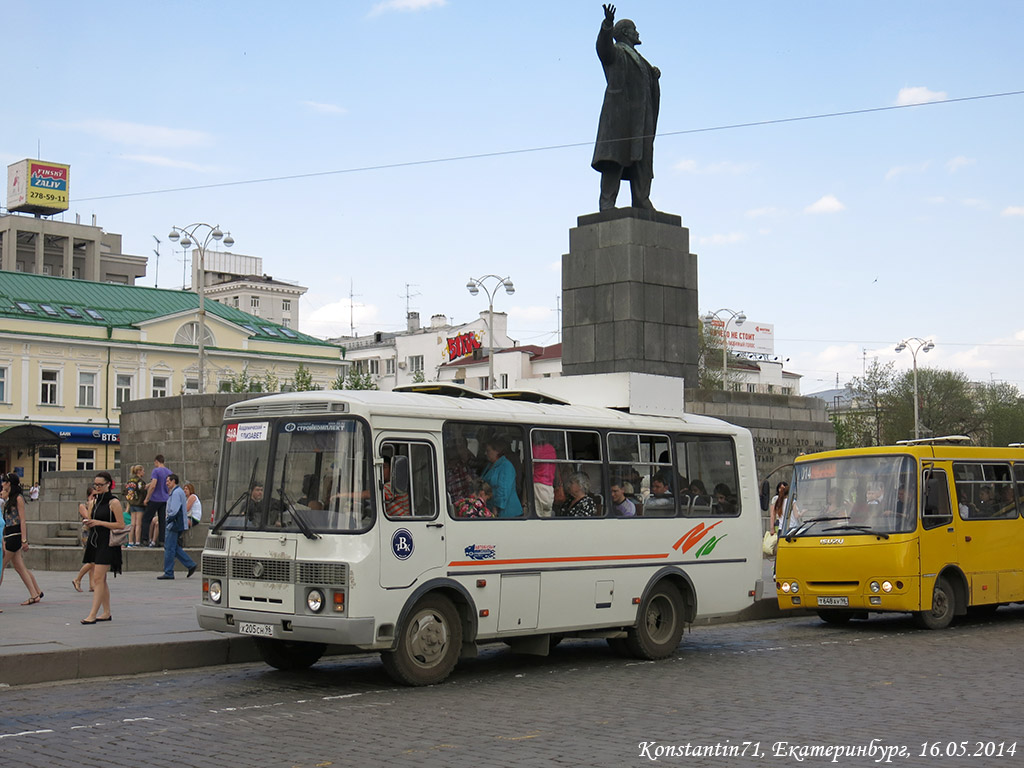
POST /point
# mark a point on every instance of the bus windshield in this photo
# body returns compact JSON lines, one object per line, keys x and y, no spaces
{"x":301,"y":476}
{"x":860,"y":494}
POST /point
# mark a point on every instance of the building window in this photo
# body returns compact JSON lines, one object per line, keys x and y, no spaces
{"x":47,"y":460}
{"x":374,"y":363}
{"x":47,"y":269}
{"x":191,"y":386}
{"x":234,"y":302}
{"x":504,"y":381}
{"x":286,"y":322}
{"x":389,"y":366}
{"x":787,"y":390}
{"x":86,"y":391}
{"x":3,"y":385}
{"x":122,"y":390}
{"x":86,"y":459}
{"x":254,"y":302}
{"x":48,"y":390}
{"x":160,"y":386}
{"x":415,"y":363}
{"x":751,"y":387}
{"x":117,"y":458}
{"x":484,"y":383}
{"x":286,"y":305}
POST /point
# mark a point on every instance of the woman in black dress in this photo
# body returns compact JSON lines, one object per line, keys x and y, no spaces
{"x":16,"y":535}
{"x":107,"y":515}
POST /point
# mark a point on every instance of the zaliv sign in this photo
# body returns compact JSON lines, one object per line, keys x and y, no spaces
{"x":35,"y":186}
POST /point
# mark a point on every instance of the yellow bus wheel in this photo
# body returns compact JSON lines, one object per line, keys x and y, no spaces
{"x":943,"y":607}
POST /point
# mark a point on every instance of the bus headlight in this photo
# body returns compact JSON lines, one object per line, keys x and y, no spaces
{"x":887,"y":586}
{"x":315,"y":600}
{"x":795,"y":587}
{"x":214,"y":591}
{"x":874,"y":586}
{"x":785,"y":586}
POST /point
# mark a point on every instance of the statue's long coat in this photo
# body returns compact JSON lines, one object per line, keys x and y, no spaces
{"x":629,"y":115}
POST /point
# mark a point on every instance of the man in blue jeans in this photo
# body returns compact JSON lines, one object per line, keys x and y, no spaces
{"x":176,"y":524}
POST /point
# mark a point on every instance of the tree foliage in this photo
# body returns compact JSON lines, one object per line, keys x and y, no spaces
{"x":243,"y":382}
{"x":354,"y":380}
{"x":869,"y":394}
{"x":303,"y":381}
{"x":946,"y":406}
{"x":709,"y":361}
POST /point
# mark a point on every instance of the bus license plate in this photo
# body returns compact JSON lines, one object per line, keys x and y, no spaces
{"x":840,"y":601}
{"x":259,"y":630}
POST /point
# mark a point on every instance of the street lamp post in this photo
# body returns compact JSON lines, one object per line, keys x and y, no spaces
{"x":473,"y":286}
{"x":915,"y":345}
{"x":740,"y":318}
{"x":188,"y":237}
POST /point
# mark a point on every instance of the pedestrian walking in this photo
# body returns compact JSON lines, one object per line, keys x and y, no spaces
{"x":156,"y":502}
{"x":107,"y":515}
{"x":176,"y":525}
{"x":134,"y":496}
{"x":33,"y":492}
{"x":16,"y":534}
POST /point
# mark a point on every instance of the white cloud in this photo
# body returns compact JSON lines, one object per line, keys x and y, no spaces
{"x":689,"y":165}
{"x":723,"y":239}
{"x":900,"y":170}
{"x":405,"y":5}
{"x":959,"y":162}
{"x":555,"y":266}
{"x":918,"y":95}
{"x":141,"y":135}
{"x":827,"y":204}
{"x":167,"y":162}
{"x":1013,"y":210}
{"x":325,"y":109}
{"x":767,"y":210}
{"x":336,"y":318}
{"x":974,"y":202}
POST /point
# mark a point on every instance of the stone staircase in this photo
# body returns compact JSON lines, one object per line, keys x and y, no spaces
{"x":53,"y":527}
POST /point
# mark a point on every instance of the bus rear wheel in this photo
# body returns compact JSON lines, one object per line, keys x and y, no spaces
{"x":288,"y":655}
{"x":943,"y":607}
{"x":660,"y":626}
{"x":429,"y":643}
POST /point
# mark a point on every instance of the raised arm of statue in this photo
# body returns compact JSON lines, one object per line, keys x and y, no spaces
{"x":609,"y":14}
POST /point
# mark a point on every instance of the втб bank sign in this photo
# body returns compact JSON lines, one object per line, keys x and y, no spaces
{"x":749,"y":337}
{"x":34,"y":186}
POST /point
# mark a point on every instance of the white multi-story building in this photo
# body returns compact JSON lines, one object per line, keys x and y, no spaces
{"x":238,"y":281}
{"x":392,"y":359}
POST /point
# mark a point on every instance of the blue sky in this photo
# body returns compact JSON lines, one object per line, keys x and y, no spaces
{"x":847,"y":233}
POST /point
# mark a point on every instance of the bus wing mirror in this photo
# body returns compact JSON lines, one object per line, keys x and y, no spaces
{"x":400,"y":474}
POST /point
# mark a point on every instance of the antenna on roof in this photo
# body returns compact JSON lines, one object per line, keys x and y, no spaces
{"x":156,"y":281}
{"x":351,"y":308}
{"x":408,"y":296}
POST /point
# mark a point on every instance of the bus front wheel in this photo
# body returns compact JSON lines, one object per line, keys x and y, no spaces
{"x":429,"y":643}
{"x":288,"y":655}
{"x":660,"y":628}
{"x":943,"y":607}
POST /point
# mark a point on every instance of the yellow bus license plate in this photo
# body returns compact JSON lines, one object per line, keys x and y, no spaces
{"x":833,"y":601}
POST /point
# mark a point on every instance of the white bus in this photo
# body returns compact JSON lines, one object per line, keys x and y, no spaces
{"x":360,"y":519}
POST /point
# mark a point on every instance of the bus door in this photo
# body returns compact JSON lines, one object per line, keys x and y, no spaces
{"x":938,"y":535}
{"x":410,"y":520}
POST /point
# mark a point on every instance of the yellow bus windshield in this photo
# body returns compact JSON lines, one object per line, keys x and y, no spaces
{"x":873,"y":495}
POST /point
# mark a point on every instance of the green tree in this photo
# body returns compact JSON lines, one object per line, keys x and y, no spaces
{"x":946,"y":406}
{"x":853,"y":429}
{"x":709,"y":361}
{"x":869,"y":395}
{"x":243,"y":382}
{"x":1002,"y":413}
{"x":303,"y":381}
{"x":354,"y":380}
{"x":418,"y":377}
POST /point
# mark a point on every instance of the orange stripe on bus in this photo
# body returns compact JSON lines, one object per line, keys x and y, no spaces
{"x":521,"y":561}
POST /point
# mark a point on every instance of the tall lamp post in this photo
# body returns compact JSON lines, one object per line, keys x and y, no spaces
{"x":473,"y":286}
{"x":187,"y":236}
{"x":739,"y":318}
{"x":915,"y":345}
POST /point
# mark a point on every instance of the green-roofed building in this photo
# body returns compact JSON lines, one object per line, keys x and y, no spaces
{"x":72,"y":351}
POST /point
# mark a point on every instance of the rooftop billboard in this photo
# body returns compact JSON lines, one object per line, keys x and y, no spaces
{"x":35,"y":186}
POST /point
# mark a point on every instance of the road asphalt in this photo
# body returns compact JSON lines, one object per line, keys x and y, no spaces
{"x":154,"y":628}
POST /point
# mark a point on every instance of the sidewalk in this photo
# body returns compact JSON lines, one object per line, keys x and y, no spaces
{"x":154,"y":628}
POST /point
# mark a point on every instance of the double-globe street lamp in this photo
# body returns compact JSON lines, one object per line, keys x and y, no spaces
{"x":739,"y":319}
{"x":187,"y":236}
{"x":473,"y":286}
{"x":915,"y":345}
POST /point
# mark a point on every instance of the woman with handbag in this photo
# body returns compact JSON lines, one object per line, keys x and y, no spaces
{"x":85,"y":512}
{"x":16,"y":535}
{"x":107,"y":516}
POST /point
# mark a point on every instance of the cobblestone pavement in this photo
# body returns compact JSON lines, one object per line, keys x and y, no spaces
{"x":788,"y":680}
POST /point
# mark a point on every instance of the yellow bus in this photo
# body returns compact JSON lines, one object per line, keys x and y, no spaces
{"x":930,"y":527}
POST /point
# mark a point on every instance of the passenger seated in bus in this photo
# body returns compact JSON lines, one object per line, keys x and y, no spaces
{"x":254,"y":504}
{"x":834,"y":505}
{"x":501,"y":475}
{"x":622,"y":506}
{"x":896,"y":518}
{"x":699,"y":495}
{"x":661,"y":502}
{"x":396,"y":495}
{"x":476,"y":504}
{"x":543,"y":474}
{"x":581,"y":503}
{"x":725,"y":502}
{"x":459,"y":478}
{"x":987,"y":504}
{"x":1007,"y":502}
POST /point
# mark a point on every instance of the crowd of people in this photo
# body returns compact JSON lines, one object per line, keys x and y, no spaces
{"x":144,"y":513}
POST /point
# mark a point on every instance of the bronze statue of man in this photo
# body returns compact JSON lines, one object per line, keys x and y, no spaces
{"x":629,"y":115}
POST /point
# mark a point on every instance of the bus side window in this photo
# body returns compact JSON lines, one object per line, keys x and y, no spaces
{"x":936,"y":500}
